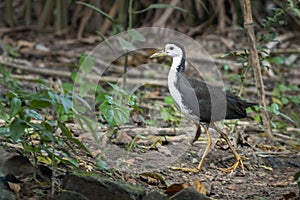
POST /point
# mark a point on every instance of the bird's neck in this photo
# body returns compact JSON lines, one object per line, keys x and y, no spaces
{"x":178,"y":64}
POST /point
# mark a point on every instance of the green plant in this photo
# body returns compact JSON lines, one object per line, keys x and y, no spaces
{"x":38,"y":121}
{"x":284,"y":97}
{"x":280,"y":97}
{"x":169,"y":113}
{"x":116,"y":106}
{"x":293,"y":7}
{"x":114,"y":103}
{"x":7,"y":80}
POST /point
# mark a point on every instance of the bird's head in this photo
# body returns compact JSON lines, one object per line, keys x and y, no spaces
{"x":171,"y":49}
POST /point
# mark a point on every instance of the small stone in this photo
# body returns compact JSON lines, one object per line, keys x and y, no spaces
{"x":194,"y":161}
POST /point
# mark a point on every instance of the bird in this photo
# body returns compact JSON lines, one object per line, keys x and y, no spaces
{"x":196,"y":99}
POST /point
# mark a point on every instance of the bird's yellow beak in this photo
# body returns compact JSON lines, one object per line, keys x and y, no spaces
{"x":158,"y":54}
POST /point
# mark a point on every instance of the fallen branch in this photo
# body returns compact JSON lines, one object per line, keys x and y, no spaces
{"x":18,"y":64}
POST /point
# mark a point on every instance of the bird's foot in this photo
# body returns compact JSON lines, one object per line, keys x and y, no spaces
{"x":235,"y":165}
{"x":185,"y":169}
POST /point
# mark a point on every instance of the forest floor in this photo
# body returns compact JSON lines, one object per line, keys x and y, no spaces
{"x":269,"y":172}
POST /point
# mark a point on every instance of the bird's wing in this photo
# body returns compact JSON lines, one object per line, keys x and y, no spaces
{"x":204,"y":100}
{"x":209,"y":102}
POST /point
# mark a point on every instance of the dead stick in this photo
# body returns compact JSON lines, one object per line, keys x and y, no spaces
{"x":254,"y":61}
{"x":24,"y":65}
{"x":112,"y":13}
{"x":165,"y":16}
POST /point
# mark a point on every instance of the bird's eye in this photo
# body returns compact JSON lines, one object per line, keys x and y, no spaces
{"x":171,"y":48}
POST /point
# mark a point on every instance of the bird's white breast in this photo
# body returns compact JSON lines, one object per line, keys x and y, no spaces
{"x":176,"y":95}
{"x":172,"y":78}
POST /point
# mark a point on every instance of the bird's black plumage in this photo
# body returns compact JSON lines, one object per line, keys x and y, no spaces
{"x":199,"y":97}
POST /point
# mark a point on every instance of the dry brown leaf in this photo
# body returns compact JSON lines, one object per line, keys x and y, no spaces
{"x":266,"y":147}
{"x":15,"y":187}
{"x":231,"y":187}
{"x":122,"y":138}
{"x":154,"y":175}
{"x":152,"y":178}
{"x":24,"y":43}
{"x":175,"y":188}
{"x":200,"y":187}
{"x":280,"y":184}
{"x":132,"y":181}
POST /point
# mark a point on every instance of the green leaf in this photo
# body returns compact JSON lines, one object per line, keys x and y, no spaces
{"x":84,"y":102}
{"x":109,"y":99}
{"x":87,"y":123}
{"x":3,"y":115}
{"x":117,"y":88}
{"x":165,"y":114}
{"x":97,"y":10}
{"x":132,"y":101}
{"x":86,"y":63}
{"x":68,"y":87}
{"x":33,"y":114}
{"x":284,"y":100}
{"x":15,"y":106}
{"x":67,"y":104}
{"x":40,"y":102}
{"x":121,"y":115}
{"x":27,"y":147}
{"x":115,"y":115}
{"x":81,"y":145}
{"x":135,"y":35}
{"x":297,"y":178}
{"x":70,"y":160}
{"x":47,"y":136}
{"x":108,"y":113}
{"x":76,"y":78}
{"x":168,"y":100}
{"x":159,"y":6}
{"x":295,"y":99}
{"x":283,"y":87}
{"x":286,"y":117}
{"x":17,"y":128}
{"x":101,"y":165}
{"x":65,"y":130}
{"x":278,"y":60}
{"x":53,"y":97}
{"x":126,"y":45}
{"x":257,"y":118}
{"x":274,"y":108}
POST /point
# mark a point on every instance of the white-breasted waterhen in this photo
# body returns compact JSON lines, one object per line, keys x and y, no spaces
{"x":194,"y":98}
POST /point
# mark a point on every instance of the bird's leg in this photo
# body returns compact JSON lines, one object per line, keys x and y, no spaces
{"x":195,"y":170}
{"x":198,"y":133}
{"x":236,"y":155}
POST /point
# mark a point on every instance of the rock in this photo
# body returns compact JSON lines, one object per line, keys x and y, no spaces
{"x":154,"y":195}
{"x":16,"y":165}
{"x":7,"y":195}
{"x":101,"y":188}
{"x":189,"y":194}
{"x":66,"y":195}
